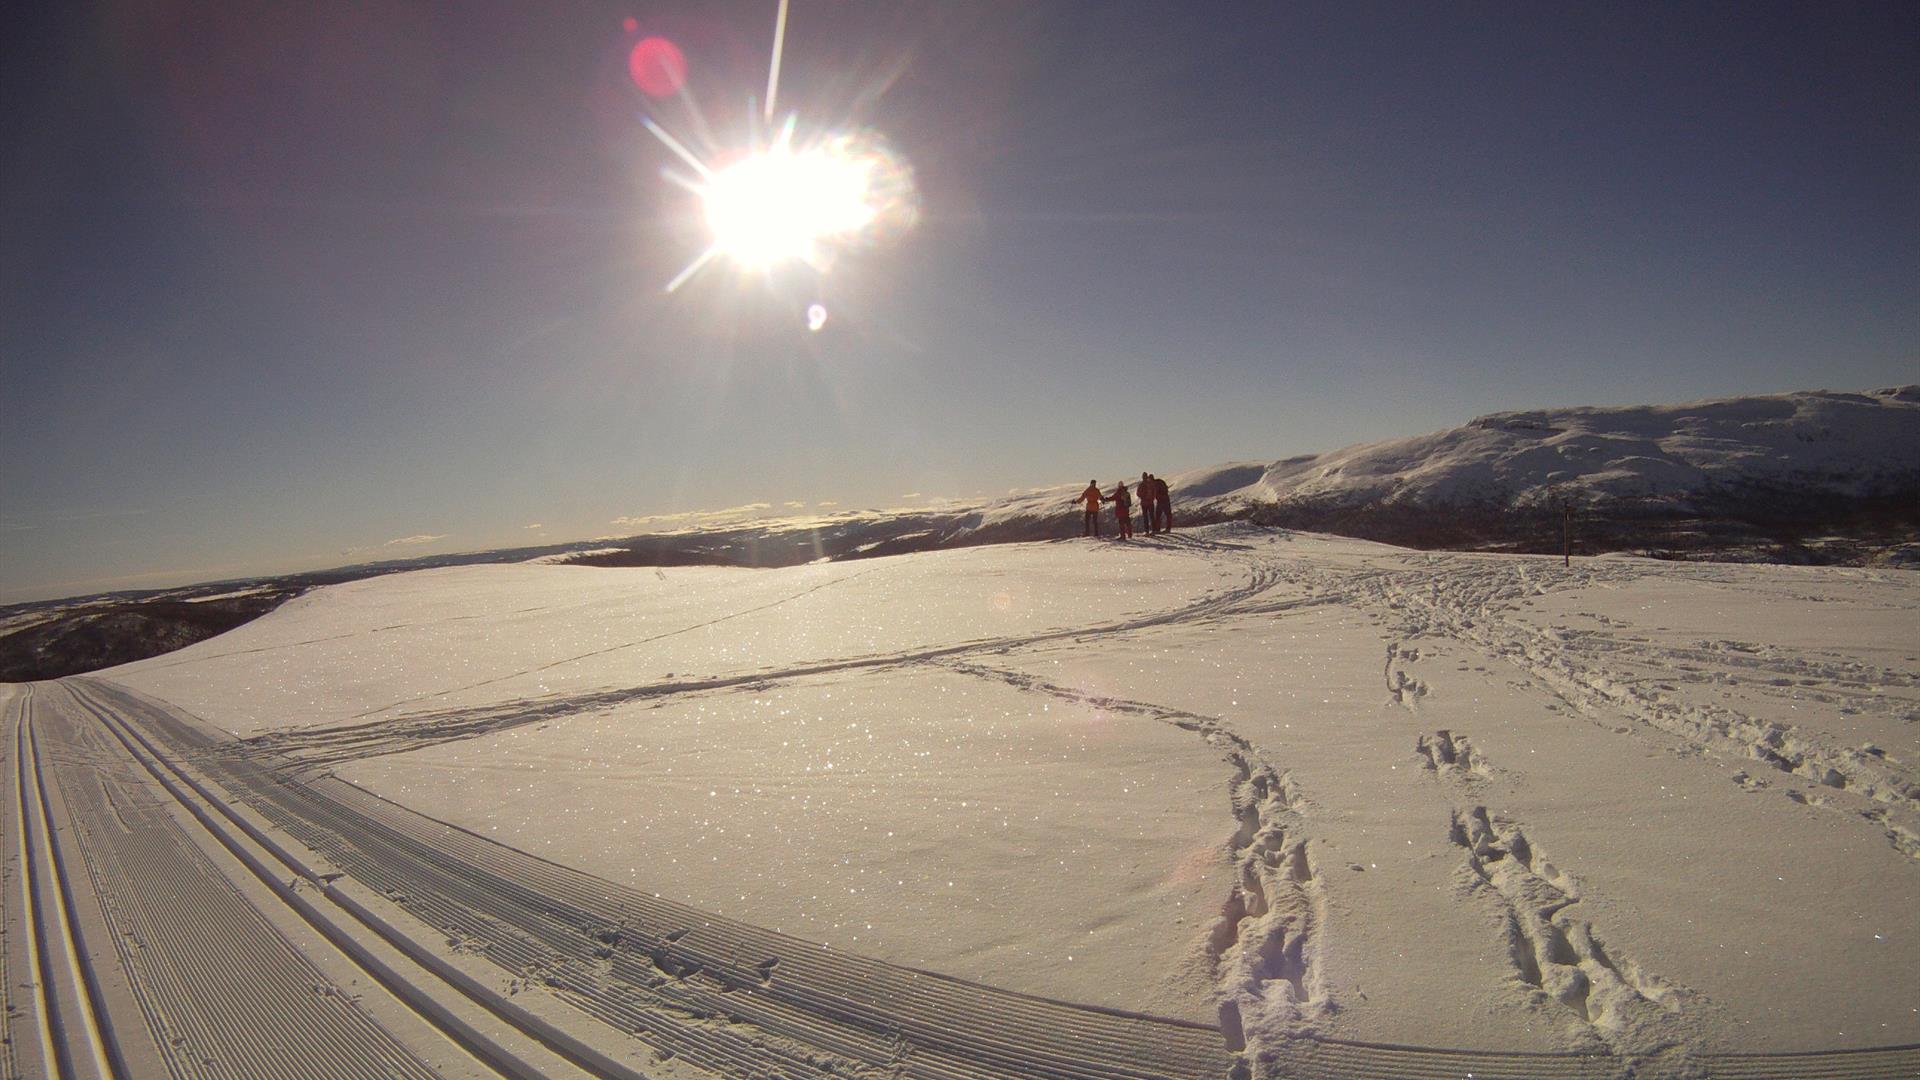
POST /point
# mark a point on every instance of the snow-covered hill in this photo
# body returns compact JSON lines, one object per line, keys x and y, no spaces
{"x":1813,"y":476}
{"x":1856,"y":445}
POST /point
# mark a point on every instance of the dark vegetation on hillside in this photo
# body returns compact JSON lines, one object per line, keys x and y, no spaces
{"x":120,"y":632}
{"x":1777,"y":525}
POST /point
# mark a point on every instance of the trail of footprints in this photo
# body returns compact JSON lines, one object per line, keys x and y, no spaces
{"x":1403,"y":688}
{"x":1451,"y":754}
{"x":1263,"y":947}
{"x":1555,"y":954}
{"x":1468,"y":606}
{"x":1559,"y":957}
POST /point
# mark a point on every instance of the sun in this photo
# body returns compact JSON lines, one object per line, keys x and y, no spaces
{"x":794,"y":198}
{"x":783,"y":203}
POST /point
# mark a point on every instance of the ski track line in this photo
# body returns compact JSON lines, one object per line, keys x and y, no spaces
{"x":359,"y":1049}
{"x":1465,"y":605}
{"x":319,"y":747}
{"x":221,"y":991}
{"x":721,"y":995}
{"x":801,"y":595}
{"x":9,"y":871}
{"x":1263,"y":948}
{"x":68,"y":1007}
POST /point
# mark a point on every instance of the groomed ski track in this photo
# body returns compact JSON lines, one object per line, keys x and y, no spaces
{"x":131,"y":951}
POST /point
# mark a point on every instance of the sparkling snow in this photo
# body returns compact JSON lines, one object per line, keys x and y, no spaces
{"x":1450,"y":799}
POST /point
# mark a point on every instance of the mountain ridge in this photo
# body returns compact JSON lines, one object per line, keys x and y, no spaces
{"x":1812,"y":476}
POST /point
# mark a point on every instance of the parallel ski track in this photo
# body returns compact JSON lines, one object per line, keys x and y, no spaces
{"x":698,"y":987}
{"x":171,"y":906}
{"x":9,"y":824}
{"x":221,"y":991}
{"x":73,"y":1042}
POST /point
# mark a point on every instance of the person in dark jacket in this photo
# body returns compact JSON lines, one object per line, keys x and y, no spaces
{"x":1147,"y":503}
{"x":1162,"y":505}
{"x":1122,"y":509}
{"x":1092,"y":498}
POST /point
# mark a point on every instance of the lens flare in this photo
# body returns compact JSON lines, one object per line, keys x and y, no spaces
{"x":816,"y":318}
{"x":657,"y":66}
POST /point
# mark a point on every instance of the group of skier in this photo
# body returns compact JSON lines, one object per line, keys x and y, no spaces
{"x":1156,"y":506}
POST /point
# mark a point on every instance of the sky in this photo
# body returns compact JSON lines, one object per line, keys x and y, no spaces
{"x":293,"y":286}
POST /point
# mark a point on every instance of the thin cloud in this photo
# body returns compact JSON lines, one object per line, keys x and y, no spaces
{"x":829,"y":502}
{"x":417,"y":538}
{"x":535,"y":525}
{"x":911,"y":495}
{"x":693,"y":517}
{"x":796,"y":505}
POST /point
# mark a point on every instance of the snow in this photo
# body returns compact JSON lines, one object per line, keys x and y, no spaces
{"x":235,"y":594}
{"x":1469,"y":800}
{"x":1845,"y":442}
{"x":561,"y":558}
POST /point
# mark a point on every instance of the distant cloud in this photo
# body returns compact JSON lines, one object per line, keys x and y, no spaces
{"x":795,"y":505}
{"x":417,"y":538}
{"x":911,"y":495}
{"x":829,"y":502}
{"x":68,"y":517}
{"x":535,"y":525}
{"x":692,"y":518}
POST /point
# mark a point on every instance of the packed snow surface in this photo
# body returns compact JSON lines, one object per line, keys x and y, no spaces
{"x":1279,"y":781}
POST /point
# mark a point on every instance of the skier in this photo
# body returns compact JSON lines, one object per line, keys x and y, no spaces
{"x":1147,"y":503}
{"x":1093,"y":499}
{"x":1162,"y":505}
{"x":1122,"y":509}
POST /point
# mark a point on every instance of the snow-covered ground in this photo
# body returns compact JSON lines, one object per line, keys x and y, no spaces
{"x":1276,"y":780}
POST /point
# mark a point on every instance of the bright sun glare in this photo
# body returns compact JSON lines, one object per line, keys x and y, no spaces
{"x":786,"y":204}
{"x":789,"y":200}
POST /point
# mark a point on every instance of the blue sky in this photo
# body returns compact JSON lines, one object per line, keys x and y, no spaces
{"x":280,"y":286}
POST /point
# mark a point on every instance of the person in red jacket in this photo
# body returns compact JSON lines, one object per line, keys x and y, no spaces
{"x":1093,"y":499}
{"x":1147,"y":503}
{"x":1122,"y":509}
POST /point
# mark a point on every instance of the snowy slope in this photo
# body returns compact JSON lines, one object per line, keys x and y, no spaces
{"x":1849,"y":444}
{"x":1288,"y":783}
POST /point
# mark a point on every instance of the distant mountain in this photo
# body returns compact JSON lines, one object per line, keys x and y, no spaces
{"x":1851,"y":445}
{"x":1813,"y":476}
{"x":1810,"y":477}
